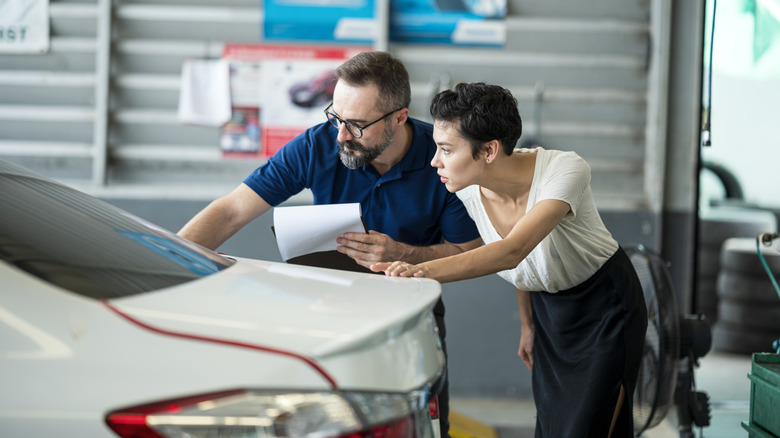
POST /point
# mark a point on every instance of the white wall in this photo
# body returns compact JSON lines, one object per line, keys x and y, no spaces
{"x":745,"y":111}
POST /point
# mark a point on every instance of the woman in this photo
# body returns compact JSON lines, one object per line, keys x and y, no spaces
{"x":581,"y":304}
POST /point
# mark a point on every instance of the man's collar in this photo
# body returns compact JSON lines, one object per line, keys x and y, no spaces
{"x":415,"y":157}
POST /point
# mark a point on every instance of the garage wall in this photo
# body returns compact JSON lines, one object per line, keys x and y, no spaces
{"x":100,"y":108}
{"x":99,"y":112}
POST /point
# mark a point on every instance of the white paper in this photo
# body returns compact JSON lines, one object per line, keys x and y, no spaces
{"x":204,"y":96}
{"x":308,"y":229}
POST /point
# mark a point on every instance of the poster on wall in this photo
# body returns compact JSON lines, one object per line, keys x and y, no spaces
{"x":24,"y":26}
{"x":239,"y":138}
{"x":347,"y":21}
{"x":277,"y":92}
{"x":458,"y":22}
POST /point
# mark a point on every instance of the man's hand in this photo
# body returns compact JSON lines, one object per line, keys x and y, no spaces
{"x":371,"y":248}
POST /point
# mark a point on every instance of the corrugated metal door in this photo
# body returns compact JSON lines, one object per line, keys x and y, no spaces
{"x":100,"y":109}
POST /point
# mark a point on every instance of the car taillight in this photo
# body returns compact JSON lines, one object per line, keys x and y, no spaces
{"x":433,"y":407}
{"x":279,"y":414}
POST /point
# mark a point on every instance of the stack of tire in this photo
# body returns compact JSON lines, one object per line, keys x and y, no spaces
{"x":717,"y":224}
{"x":748,"y":303}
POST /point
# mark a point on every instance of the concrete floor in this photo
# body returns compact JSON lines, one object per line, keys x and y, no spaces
{"x":722,"y":376}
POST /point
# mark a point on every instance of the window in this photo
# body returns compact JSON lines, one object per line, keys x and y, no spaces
{"x":82,"y":244}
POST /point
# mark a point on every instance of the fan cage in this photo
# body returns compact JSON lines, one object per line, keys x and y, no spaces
{"x":654,"y":393}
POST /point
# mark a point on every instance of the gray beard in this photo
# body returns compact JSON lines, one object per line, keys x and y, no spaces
{"x":348,"y":148}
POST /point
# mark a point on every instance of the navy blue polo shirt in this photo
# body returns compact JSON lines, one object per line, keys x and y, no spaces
{"x":408,"y":203}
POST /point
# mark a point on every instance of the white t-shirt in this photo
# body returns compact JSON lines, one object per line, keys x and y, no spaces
{"x":576,"y":248}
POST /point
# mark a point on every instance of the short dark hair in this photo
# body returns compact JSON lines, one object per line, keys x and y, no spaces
{"x":384,"y":71}
{"x":480,"y":113}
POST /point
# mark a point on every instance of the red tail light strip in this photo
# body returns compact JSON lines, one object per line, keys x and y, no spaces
{"x":433,"y":407}
{"x":309,"y":361}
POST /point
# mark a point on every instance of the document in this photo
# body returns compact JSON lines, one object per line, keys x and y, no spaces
{"x":307,"y":234}
{"x":204,"y":97}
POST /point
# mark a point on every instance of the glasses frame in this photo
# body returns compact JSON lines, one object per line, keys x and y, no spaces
{"x":337,"y":121}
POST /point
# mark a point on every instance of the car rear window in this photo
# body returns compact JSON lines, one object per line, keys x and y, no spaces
{"x":85,"y":245}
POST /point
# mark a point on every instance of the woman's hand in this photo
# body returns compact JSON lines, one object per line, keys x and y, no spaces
{"x":398,"y":269}
{"x":526,"y":349}
{"x":371,"y":247}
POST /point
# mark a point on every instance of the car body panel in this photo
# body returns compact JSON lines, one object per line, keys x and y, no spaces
{"x":331,"y":316}
{"x":65,"y":357}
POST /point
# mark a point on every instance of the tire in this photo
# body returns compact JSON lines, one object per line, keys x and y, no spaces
{"x":750,"y":315}
{"x":716,"y":225}
{"x":730,"y":182}
{"x":741,"y":340}
{"x":749,"y":305}
{"x":753,"y":289}
{"x":719,"y":223}
{"x":739,"y":254}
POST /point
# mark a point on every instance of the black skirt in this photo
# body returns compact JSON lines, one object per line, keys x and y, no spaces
{"x":589,"y":342}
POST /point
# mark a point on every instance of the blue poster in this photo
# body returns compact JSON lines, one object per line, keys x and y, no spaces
{"x":460,"y":22}
{"x":348,"y":21}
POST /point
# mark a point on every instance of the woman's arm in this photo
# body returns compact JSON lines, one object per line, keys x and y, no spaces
{"x":373,"y":247}
{"x":494,"y":257}
{"x":526,"y":349}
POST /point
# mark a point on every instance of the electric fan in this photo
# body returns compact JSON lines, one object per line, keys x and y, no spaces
{"x":673,"y":345}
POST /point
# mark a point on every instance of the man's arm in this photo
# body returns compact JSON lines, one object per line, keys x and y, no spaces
{"x":446,"y":249}
{"x":224,"y":217}
{"x":376,"y":247}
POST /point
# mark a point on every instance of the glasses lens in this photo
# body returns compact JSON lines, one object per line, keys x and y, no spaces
{"x":333,"y":120}
{"x":354,"y":130}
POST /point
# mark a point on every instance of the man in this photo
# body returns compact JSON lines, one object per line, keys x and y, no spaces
{"x":368,"y":151}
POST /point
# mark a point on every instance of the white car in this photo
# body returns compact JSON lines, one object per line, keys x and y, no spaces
{"x":111,"y":326}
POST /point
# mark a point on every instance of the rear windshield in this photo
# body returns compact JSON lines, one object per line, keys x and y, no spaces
{"x":87,"y":246}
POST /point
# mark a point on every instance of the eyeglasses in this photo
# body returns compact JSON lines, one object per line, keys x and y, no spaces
{"x":354,"y":129}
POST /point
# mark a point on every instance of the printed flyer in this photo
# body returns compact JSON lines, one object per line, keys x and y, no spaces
{"x":277,"y":93}
{"x":347,"y":21}
{"x":24,"y":26}
{"x":457,"y":22}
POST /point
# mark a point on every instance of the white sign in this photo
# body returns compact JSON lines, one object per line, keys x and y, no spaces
{"x":24,"y":26}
